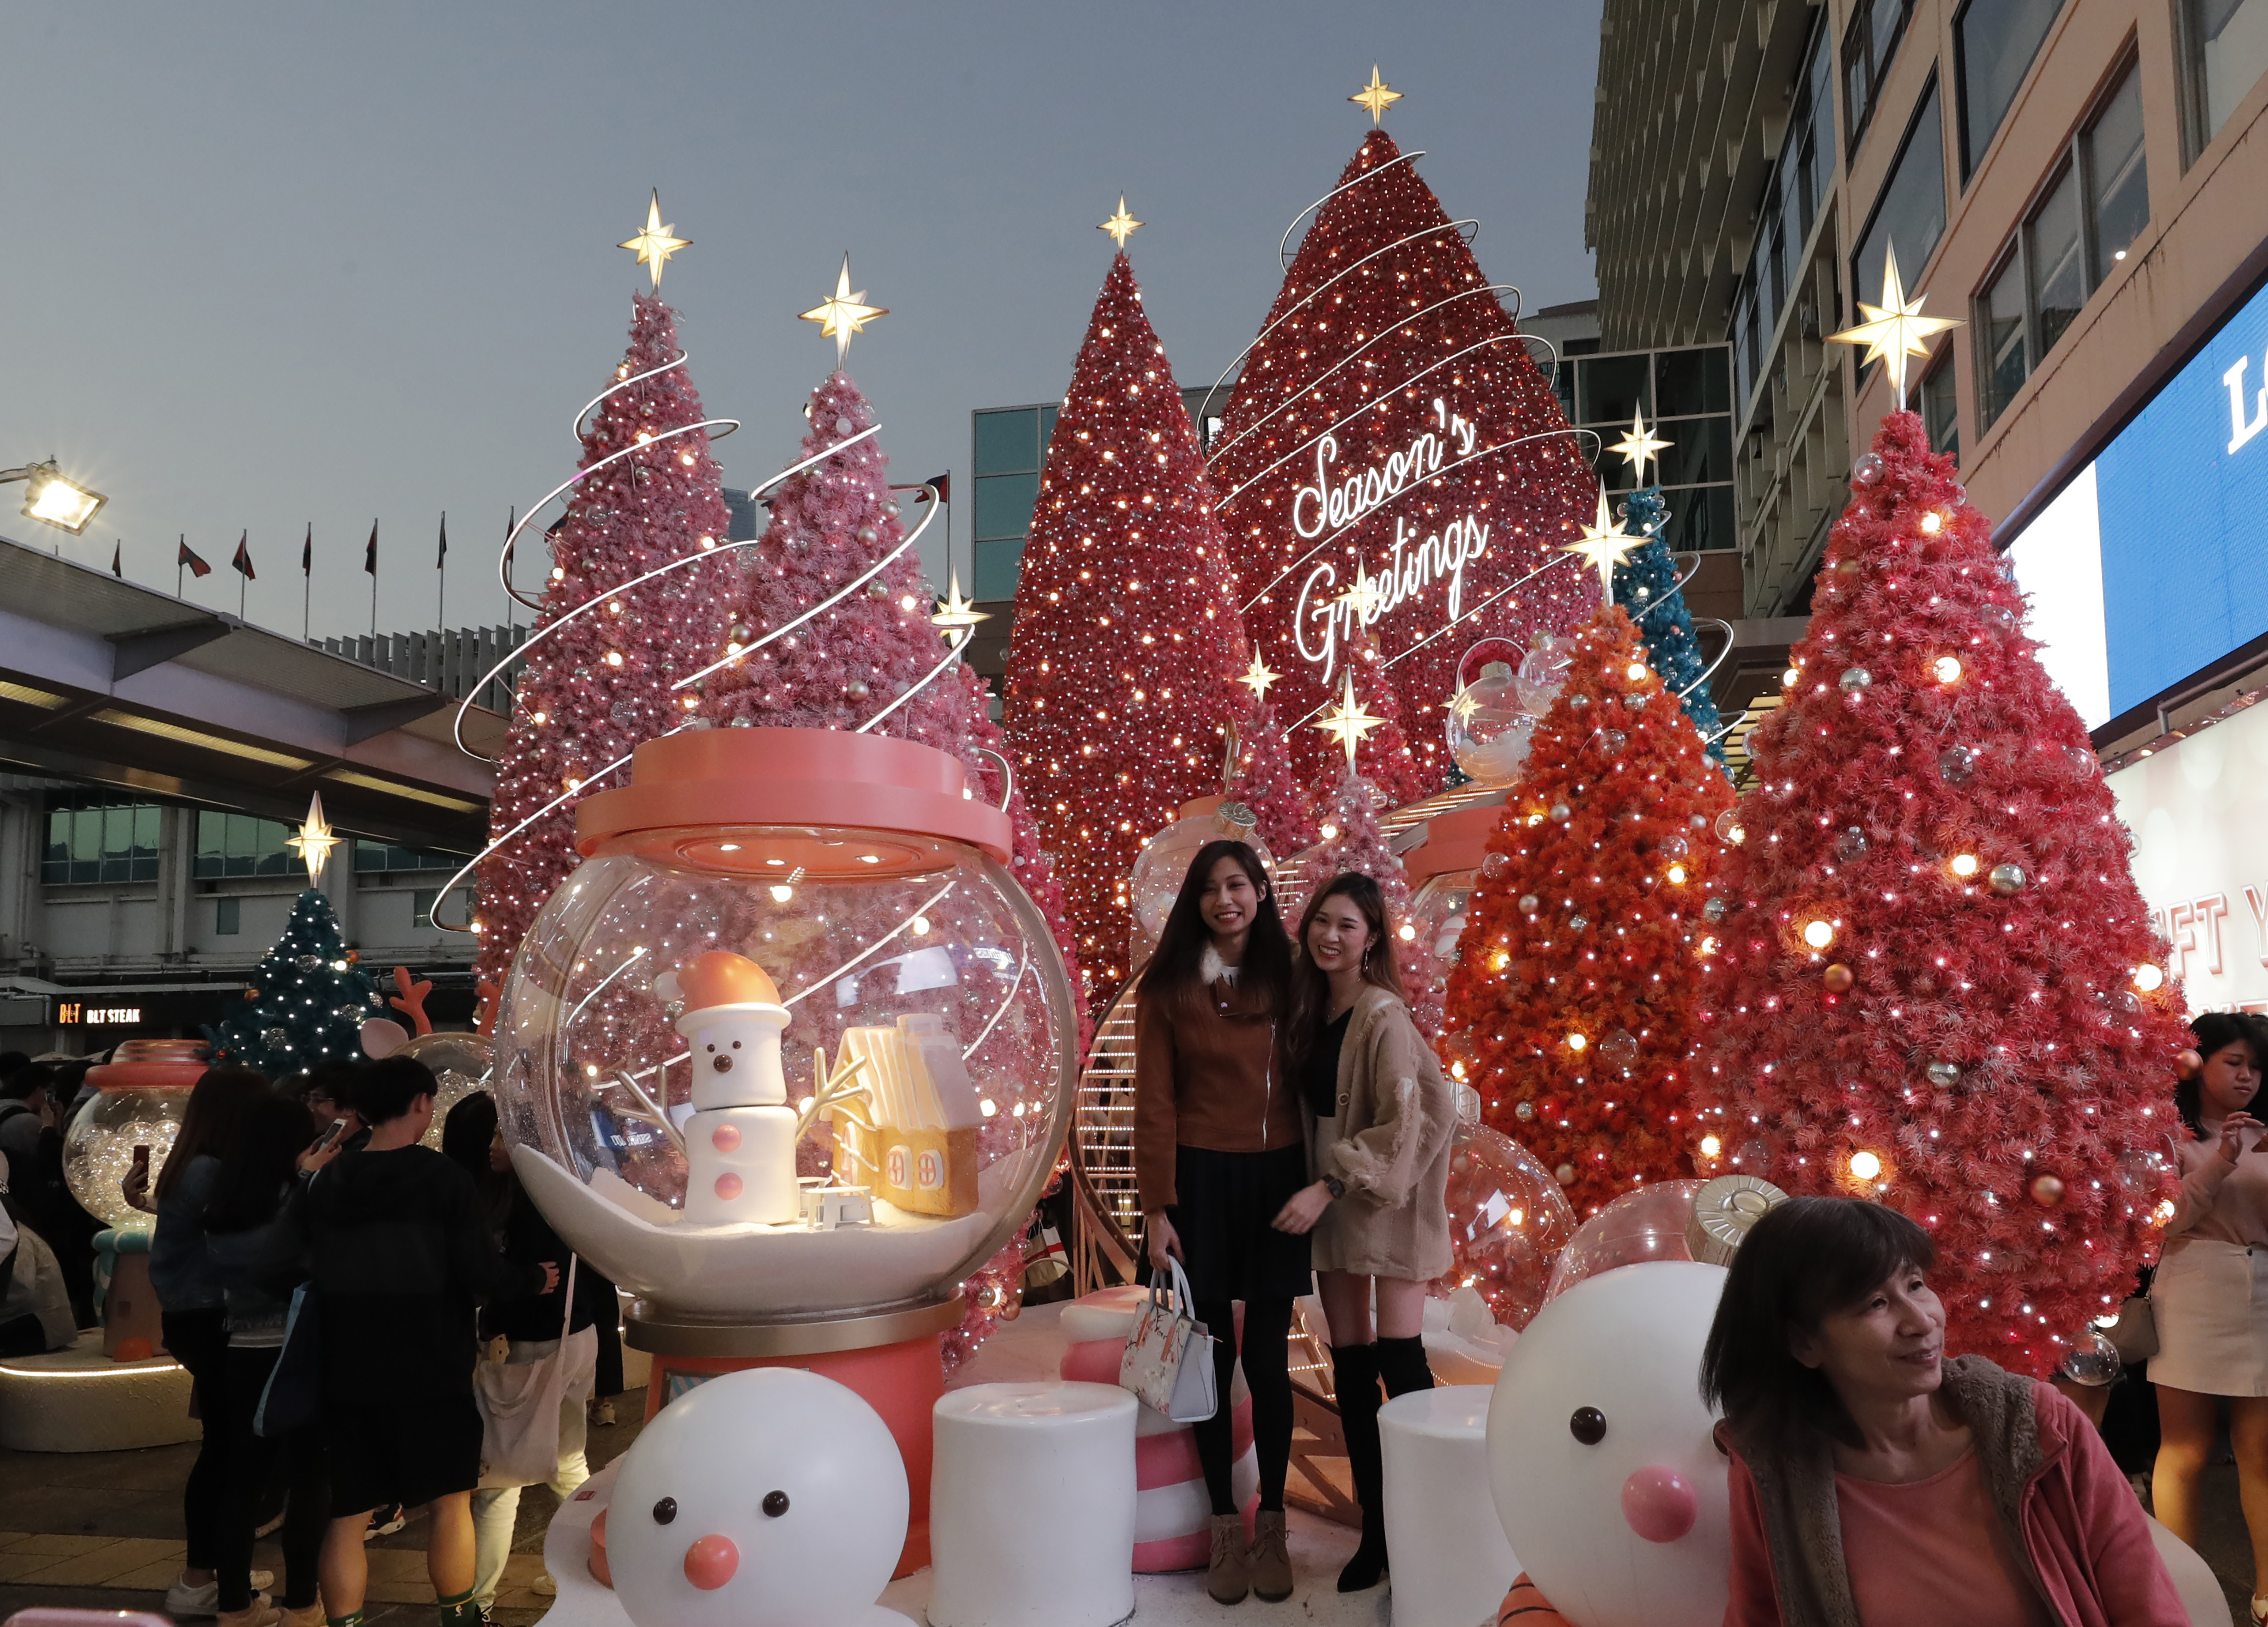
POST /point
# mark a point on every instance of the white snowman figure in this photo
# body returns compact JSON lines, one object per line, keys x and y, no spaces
{"x":767,"y":1498}
{"x":739,"y":1142}
{"x":1608,"y":1479}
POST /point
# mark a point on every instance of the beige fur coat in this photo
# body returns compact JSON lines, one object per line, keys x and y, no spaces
{"x":1389,"y":1142}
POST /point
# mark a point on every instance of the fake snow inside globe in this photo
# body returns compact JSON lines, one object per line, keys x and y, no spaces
{"x":1489,"y":729}
{"x":792,"y":1046}
{"x":140,"y":1095}
{"x":460,"y":1064}
{"x":1165,"y":860}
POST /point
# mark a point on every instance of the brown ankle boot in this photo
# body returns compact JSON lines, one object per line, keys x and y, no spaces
{"x":1269,"y":1561}
{"x":1225,"y":1578}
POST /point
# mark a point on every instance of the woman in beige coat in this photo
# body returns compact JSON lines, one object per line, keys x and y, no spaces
{"x":1378,"y":1210}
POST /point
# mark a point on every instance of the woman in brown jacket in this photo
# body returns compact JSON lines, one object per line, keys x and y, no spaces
{"x":1218,"y":1150}
{"x":1378,"y":1209}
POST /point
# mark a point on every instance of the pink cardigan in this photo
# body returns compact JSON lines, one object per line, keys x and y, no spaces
{"x":2072,"y":1514}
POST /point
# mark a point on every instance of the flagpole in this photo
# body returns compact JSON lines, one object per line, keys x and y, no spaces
{"x":373,"y":564}
{"x":441,"y":570}
{"x":178,"y":562}
{"x":306,"y":581}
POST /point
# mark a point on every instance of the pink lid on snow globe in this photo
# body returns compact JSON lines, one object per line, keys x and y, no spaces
{"x":791,"y":1048}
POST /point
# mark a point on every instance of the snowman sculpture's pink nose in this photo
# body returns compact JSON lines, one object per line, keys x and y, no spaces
{"x":711,"y":1561}
{"x":1659,"y":1503}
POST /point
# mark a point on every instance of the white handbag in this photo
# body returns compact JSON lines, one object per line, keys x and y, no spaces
{"x":1168,"y":1360}
{"x":519,"y":1406}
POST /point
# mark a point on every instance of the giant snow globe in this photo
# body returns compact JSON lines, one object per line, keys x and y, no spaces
{"x":140,"y":1095}
{"x":788,"y":1055}
{"x":1164,"y":862}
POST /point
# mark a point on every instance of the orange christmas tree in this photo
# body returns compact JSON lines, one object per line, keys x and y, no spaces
{"x":1572,"y":1000}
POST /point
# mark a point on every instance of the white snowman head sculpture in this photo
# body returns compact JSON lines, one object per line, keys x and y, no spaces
{"x":768,"y":1497}
{"x":1606,"y":1476}
{"x":733,"y":1020}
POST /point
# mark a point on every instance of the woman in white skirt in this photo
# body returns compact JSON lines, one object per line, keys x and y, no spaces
{"x":2210,"y":1298}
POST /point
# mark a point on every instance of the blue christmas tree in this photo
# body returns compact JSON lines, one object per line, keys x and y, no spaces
{"x":307,"y":1002}
{"x":1646,"y":586}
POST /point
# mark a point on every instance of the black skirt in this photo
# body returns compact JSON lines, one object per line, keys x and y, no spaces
{"x":1228,"y":1203}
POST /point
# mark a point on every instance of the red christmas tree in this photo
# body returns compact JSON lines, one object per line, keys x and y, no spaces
{"x":1571,"y":1007}
{"x":874,"y":654}
{"x":599,"y":684}
{"x":1352,"y":839}
{"x":1127,"y":638}
{"x":1936,"y":984}
{"x":1393,"y":458}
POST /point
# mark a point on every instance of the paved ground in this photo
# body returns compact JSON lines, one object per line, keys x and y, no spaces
{"x":102,"y":1530}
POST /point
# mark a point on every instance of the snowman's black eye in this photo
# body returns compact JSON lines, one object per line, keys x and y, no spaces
{"x":736,"y":1044}
{"x":775,"y":1504}
{"x":1588,"y":1425}
{"x":664,"y":1510}
{"x":708,"y":1047}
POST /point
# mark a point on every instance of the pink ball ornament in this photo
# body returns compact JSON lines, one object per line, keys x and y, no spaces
{"x":1508,"y":1220}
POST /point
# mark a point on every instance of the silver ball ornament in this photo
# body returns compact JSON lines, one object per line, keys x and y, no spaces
{"x":2005,"y":878}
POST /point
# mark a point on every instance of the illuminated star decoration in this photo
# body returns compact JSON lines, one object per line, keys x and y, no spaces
{"x":1638,"y":445}
{"x":1376,"y":96}
{"x":1364,"y":596}
{"x":654,"y":246}
{"x":1463,"y":705}
{"x":1256,"y":678}
{"x":1895,"y":329}
{"x":1348,"y":721}
{"x":953,"y":614}
{"x":845,"y":315}
{"x":1120,"y":225}
{"x":1605,"y":548}
{"x":314,"y":840}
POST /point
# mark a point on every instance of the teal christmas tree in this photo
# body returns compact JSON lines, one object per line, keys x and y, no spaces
{"x":309,"y":999}
{"x":1646,"y":584}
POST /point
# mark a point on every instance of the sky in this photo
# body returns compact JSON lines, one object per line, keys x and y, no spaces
{"x":271,"y":264}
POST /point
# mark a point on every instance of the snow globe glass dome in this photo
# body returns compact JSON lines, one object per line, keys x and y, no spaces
{"x":1488,"y":728}
{"x":1165,"y":858}
{"x":792,"y":1046}
{"x":141,"y":1094}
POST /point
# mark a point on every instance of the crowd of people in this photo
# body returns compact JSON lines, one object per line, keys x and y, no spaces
{"x":335,"y":1289}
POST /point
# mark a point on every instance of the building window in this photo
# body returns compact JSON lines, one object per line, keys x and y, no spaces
{"x":2081,"y":227}
{"x":1941,"y":413}
{"x":378,"y":856}
{"x":1993,"y":44}
{"x":1686,"y":395}
{"x":2225,"y":45}
{"x":238,"y":844}
{"x":1009,"y":445}
{"x":1909,"y":211}
{"x":1794,"y":200}
{"x":228,"y":916}
{"x":421,"y":902}
{"x":1869,"y":45}
{"x":93,"y":838}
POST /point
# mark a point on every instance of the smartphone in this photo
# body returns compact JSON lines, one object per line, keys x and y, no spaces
{"x":338,"y":1128}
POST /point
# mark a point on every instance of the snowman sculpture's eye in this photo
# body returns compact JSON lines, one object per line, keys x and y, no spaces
{"x":664,"y":1510}
{"x":1588,"y":1425}
{"x":736,"y":1044}
{"x":775,"y":1504}
{"x":708,"y":1047}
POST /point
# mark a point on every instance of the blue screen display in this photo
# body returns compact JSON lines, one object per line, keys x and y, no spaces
{"x":2181,"y":496}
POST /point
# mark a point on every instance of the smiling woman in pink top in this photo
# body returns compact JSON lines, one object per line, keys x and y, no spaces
{"x":1874,"y":1482}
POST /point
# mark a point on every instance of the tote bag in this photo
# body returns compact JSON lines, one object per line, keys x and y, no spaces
{"x":294,"y":1389}
{"x":1168,"y":1360}
{"x":519,"y":1408}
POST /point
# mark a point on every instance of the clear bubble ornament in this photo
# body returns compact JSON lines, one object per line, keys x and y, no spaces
{"x":1855,"y":679}
{"x":1508,"y":1221}
{"x":1618,"y":1050}
{"x":1956,"y":763}
{"x":1541,"y":672}
{"x":274,"y":1036}
{"x":1713,"y":910}
{"x":2005,"y":878}
{"x":1867,"y":470}
{"x":1729,"y":828}
{"x":2084,"y":763}
{"x":1494,"y":866}
{"x":308,"y":963}
{"x":1488,"y":728}
{"x":1612,"y":741}
{"x":2093,"y":1360}
{"x":1944,"y":1075}
{"x":1851,"y":843}
{"x":1647,"y":1224}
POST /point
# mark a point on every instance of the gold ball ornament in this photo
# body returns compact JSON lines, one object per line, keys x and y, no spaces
{"x":2047,"y":1190}
{"x":1838,"y":978}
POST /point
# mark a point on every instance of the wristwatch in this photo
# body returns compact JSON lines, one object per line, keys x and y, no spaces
{"x":1336,"y":1186}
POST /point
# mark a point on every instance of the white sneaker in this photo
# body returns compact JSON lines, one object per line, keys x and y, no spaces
{"x":184,"y":1598}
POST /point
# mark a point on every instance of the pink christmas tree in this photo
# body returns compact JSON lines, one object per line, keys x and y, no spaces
{"x":1261,"y":778}
{"x":1352,"y":839}
{"x":600,"y":683}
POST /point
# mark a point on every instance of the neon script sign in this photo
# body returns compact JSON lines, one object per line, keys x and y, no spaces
{"x":1324,"y":618}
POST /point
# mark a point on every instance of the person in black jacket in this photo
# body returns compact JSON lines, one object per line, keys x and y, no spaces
{"x":402,"y":1263}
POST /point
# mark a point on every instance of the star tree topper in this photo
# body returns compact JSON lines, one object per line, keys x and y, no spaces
{"x":1605,"y":547}
{"x":955,"y":613}
{"x":1640,"y":445}
{"x":845,"y":315}
{"x":654,"y":246}
{"x":1376,"y":97}
{"x":1120,"y":225}
{"x":313,"y":841}
{"x":1256,"y":678}
{"x":1348,"y":721}
{"x":1895,"y":329}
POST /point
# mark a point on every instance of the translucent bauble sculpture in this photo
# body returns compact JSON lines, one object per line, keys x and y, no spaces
{"x":141,"y":1094}
{"x":1647,"y":1223}
{"x":1508,"y":1220}
{"x":1164,"y":860}
{"x":459,"y":1063}
{"x":1487,"y":727}
{"x":1543,"y":670}
{"x":792,"y":1045}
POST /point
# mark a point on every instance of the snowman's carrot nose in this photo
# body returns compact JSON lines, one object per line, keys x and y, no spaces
{"x":711,"y":1561}
{"x":1660,"y":1504}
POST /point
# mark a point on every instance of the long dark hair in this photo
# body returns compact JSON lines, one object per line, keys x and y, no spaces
{"x":263,"y":1149}
{"x":1311,"y":990}
{"x":466,"y":1134}
{"x":1803,"y":1261}
{"x":1264,"y":981}
{"x":216,"y":1100}
{"x":2217,"y":1031}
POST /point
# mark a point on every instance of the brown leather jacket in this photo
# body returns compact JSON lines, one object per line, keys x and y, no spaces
{"x":1207,"y":1073}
